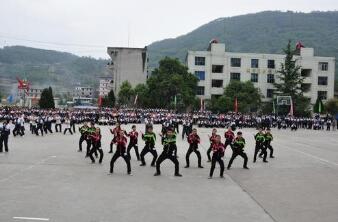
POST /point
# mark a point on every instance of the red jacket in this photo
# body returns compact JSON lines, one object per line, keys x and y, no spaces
{"x":229,"y":136}
{"x":193,"y":138}
{"x":96,"y":137}
{"x":121,"y":141}
{"x":212,"y":138}
{"x":133,"y":135}
{"x":218,"y":148}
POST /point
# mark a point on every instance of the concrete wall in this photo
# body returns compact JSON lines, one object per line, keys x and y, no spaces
{"x":128,"y":64}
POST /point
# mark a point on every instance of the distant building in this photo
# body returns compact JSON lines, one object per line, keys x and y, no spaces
{"x":32,"y":97}
{"x":106,"y":84}
{"x":83,"y":95}
{"x":215,"y":69}
{"x":129,"y":64}
{"x":81,"y":91}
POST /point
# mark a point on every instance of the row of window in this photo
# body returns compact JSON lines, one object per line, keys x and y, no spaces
{"x":237,"y":76}
{"x":236,"y":62}
{"x":322,"y":80}
{"x":269,"y":93}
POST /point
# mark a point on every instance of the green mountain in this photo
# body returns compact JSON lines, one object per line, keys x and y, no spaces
{"x":264,"y":32}
{"x":63,"y":71}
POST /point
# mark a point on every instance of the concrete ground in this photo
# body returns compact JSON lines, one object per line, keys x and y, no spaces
{"x":45,"y":179}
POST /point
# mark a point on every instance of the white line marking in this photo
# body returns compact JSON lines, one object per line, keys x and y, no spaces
{"x":313,"y":156}
{"x":25,"y":169}
{"x":31,"y":218}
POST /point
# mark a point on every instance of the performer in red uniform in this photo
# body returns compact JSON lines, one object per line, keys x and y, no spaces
{"x":218,"y":152}
{"x":229,"y":137}
{"x":121,"y":151}
{"x":212,"y":140}
{"x":193,"y":140}
{"x":133,"y":135}
{"x":115,"y":132}
{"x":96,"y":142}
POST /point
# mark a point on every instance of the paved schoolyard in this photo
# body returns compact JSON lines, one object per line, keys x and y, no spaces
{"x":45,"y":179}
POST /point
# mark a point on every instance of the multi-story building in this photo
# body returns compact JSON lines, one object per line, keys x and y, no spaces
{"x":128,"y":64}
{"x":83,"y":95}
{"x":215,"y":69}
{"x":81,"y":91}
{"x":106,"y":84}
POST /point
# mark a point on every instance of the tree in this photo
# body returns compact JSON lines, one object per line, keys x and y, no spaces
{"x":125,"y":94}
{"x":47,"y":99}
{"x":290,"y":82}
{"x":109,"y":100}
{"x":248,"y":97}
{"x":169,"y":81}
{"x":331,"y":106}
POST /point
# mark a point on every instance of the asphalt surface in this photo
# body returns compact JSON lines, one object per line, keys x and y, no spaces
{"x":46,"y":179}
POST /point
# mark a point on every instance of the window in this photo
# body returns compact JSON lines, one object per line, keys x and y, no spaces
{"x":323,"y":66}
{"x":254,"y":77}
{"x":306,"y":72}
{"x":269,"y":93}
{"x":200,"y":75}
{"x":235,"y":76}
{"x":200,"y":90}
{"x":235,"y":62}
{"x":322,"y":95}
{"x":322,"y":80}
{"x":270,"y":78}
{"x":217,"y":83}
{"x":254,"y":63}
{"x":199,"y":61}
{"x":271,"y":64}
{"x":217,"y":68}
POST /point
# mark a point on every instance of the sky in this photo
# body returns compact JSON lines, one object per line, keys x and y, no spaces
{"x":87,"y":27}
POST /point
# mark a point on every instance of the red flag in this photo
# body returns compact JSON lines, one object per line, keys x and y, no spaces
{"x":299,"y":45}
{"x":99,"y":103}
{"x":236,"y":105}
{"x":136,"y":97}
{"x":291,"y":109}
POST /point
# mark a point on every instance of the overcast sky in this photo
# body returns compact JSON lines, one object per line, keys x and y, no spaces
{"x":87,"y":27}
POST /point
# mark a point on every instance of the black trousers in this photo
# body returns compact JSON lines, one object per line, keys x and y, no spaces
{"x":48,"y":127}
{"x":39,"y":127}
{"x":135,"y":146}
{"x":268,"y":147}
{"x":146,"y":150}
{"x":58,"y":127}
{"x":167,"y":155}
{"x":193,"y":148}
{"x":33,"y":129}
{"x":238,"y":152}
{"x":82,"y":138}
{"x":89,"y":144}
{"x":69,"y":129}
{"x":118,"y":154}
{"x":209,"y":152}
{"x":260,"y":146}
{"x":96,"y":148}
{"x":4,"y":143}
{"x":216,"y":157}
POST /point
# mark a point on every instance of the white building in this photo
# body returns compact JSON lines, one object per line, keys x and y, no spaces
{"x":129,"y":64}
{"x":216,"y":67}
{"x":83,"y":95}
{"x":86,"y":92}
{"x":105,"y":86}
